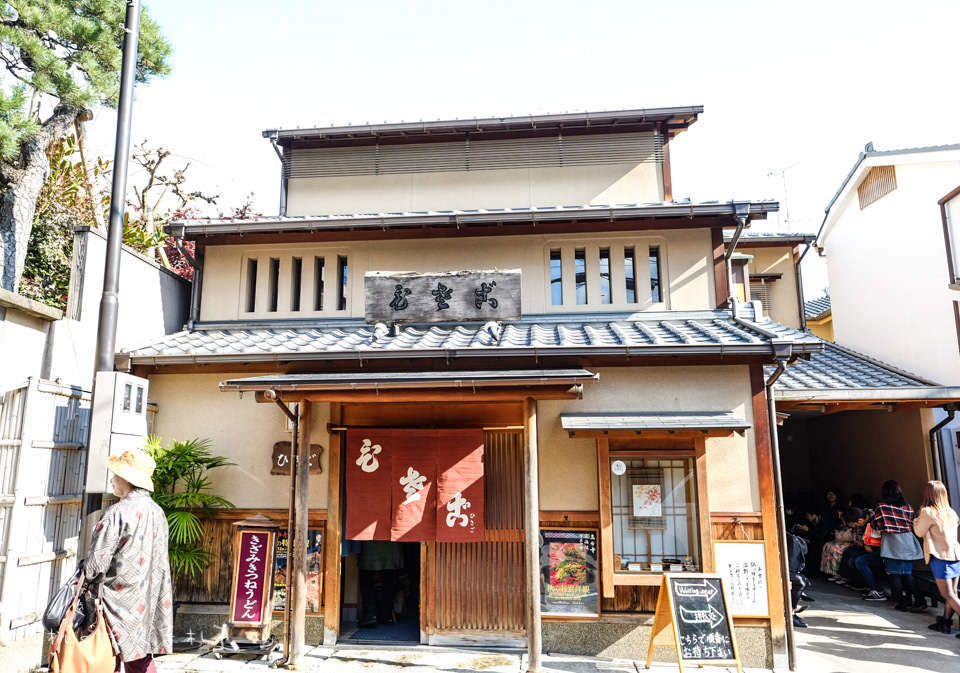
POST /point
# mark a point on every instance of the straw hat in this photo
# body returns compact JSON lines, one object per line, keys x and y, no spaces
{"x":134,"y":466}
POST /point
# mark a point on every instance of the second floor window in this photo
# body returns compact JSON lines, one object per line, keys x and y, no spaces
{"x":610,"y":276}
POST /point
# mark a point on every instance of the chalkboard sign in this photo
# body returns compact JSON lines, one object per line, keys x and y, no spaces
{"x":568,"y":573}
{"x":692,"y":616}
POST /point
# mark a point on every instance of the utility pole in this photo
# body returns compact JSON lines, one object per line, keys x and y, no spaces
{"x":96,"y":463}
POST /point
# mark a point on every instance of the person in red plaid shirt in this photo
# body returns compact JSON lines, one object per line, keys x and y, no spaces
{"x":899,"y":547}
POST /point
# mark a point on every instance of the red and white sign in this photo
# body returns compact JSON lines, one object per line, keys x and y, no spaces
{"x":414,"y":485}
{"x":252,"y":581}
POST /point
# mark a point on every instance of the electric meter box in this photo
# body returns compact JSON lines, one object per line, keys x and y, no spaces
{"x":118,"y":422}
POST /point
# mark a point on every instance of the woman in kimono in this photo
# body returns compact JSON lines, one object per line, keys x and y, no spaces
{"x":128,"y":557}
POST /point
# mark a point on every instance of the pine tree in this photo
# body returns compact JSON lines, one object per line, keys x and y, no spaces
{"x":65,"y":56}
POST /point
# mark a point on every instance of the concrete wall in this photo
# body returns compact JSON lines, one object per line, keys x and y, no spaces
{"x":25,"y":331}
{"x":465,"y":190}
{"x":192,"y":406}
{"x":887,"y":264}
{"x":686,"y":271}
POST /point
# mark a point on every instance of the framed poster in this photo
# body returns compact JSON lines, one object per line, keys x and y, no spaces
{"x":743,"y":566}
{"x":314,"y":570}
{"x":569,"y":573}
{"x":646,"y":499}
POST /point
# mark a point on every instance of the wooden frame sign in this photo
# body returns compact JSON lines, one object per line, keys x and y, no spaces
{"x":692,"y":617}
{"x":569,"y":573}
{"x":743,"y":566}
{"x":250,"y":598}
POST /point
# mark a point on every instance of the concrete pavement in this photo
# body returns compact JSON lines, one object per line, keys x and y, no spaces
{"x":845,"y":635}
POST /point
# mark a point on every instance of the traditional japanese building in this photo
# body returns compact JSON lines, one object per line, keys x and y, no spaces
{"x":504,"y":346}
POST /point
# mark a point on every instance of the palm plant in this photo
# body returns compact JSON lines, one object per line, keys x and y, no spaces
{"x":181,"y":488}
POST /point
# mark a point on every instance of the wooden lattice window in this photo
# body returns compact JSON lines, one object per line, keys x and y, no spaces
{"x":880,"y":181}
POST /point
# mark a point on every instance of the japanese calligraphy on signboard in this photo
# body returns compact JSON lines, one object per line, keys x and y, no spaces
{"x":395,"y":297}
{"x":743,"y":566}
{"x":280,"y":460}
{"x":252,"y":580}
{"x":568,"y":573}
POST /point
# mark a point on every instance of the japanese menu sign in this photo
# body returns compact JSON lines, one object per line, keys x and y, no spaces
{"x":568,"y":572}
{"x":396,"y":297}
{"x":252,"y":579}
{"x":314,"y":569}
{"x":743,"y":566}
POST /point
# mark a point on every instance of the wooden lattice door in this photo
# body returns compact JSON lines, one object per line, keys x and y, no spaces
{"x":475,"y":591}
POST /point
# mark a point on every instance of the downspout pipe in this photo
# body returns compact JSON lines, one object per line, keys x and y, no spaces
{"x":782,"y":355}
{"x":272,"y":135}
{"x":936,"y":453}
{"x":195,"y":286}
{"x":743,"y":221}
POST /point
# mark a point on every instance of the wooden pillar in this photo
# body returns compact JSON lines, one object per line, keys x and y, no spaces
{"x":333,"y":535}
{"x":301,"y":516}
{"x":532,"y":529}
{"x":768,"y":508}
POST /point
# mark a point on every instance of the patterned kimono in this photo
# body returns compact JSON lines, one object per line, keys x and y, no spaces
{"x":129,"y":548}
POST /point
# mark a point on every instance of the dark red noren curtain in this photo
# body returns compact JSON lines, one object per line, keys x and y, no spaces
{"x":368,"y":478}
{"x":414,"y":486}
{"x":460,"y":486}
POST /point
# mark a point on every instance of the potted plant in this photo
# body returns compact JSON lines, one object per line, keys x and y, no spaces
{"x":182,"y":489}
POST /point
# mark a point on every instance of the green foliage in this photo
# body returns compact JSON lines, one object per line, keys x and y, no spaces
{"x":15,"y":121}
{"x":182,"y":489}
{"x":71,"y":49}
{"x":63,"y":205}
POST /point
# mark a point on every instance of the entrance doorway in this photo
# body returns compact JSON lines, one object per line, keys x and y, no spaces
{"x":386,"y":607}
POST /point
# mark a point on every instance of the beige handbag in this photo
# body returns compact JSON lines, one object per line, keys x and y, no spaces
{"x":93,"y":654}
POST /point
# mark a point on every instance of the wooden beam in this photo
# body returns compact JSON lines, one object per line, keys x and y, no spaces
{"x":606,"y":519}
{"x":720,"y":279}
{"x":703,"y":502}
{"x":421,"y":395}
{"x":532,"y":528}
{"x":332,"y":535}
{"x":301,"y":516}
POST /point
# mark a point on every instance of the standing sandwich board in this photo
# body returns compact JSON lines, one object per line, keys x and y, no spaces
{"x":692,"y":617}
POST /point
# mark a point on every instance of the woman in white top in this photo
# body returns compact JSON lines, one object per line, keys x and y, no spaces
{"x":937,"y":525}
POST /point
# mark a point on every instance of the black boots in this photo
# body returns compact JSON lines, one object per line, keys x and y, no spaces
{"x":942,"y":625}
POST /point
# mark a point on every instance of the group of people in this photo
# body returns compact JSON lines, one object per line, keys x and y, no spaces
{"x":856,"y":545}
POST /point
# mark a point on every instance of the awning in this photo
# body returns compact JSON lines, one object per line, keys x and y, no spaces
{"x":541,"y":383}
{"x":708,"y":422}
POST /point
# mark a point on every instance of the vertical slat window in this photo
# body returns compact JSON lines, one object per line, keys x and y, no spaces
{"x":605,"y":296}
{"x":274,"y":284}
{"x":556,"y":278}
{"x":296,"y":274}
{"x":880,"y":181}
{"x":580,"y":274}
{"x":318,"y":284}
{"x":251,"y":292}
{"x":655,"y":295}
{"x":342,"y":287}
{"x":630,"y":274}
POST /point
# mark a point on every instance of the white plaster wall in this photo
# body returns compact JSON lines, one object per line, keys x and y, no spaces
{"x":687,"y":272}
{"x":568,"y":467}
{"x":889,"y":286}
{"x":23,"y":339}
{"x":192,"y":406}
{"x":462,"y":190}
{"x":784,"y":302}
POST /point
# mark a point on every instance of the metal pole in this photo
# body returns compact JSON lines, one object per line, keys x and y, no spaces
{"x":95,"y":468}
{"x":109,"y":304}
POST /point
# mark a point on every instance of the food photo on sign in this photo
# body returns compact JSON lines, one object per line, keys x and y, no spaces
{"x":568,"y":572}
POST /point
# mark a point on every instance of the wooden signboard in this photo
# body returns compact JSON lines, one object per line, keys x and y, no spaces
{"x":743,"y":566}
{"x":281,"y":458}
{"x":397,"y":297}
{"x":569,"y":573}
{"x":250,"y":604}
{"x":692,"y":617}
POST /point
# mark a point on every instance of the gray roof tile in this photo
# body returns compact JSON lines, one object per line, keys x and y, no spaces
{"x":814,"y":308}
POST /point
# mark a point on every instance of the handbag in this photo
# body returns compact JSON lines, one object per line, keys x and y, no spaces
{"x":91,"y":654}
{"x":58,"y":605}
{"x":844,"y":535}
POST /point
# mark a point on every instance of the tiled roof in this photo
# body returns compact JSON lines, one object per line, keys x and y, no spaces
{"x":701,"y":420}
{"x":814,"y":308}
{"x":668,"y":333}
{"x":838,"y":368}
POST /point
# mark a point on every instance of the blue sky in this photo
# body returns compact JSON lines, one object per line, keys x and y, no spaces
{"x":800,"y":86}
